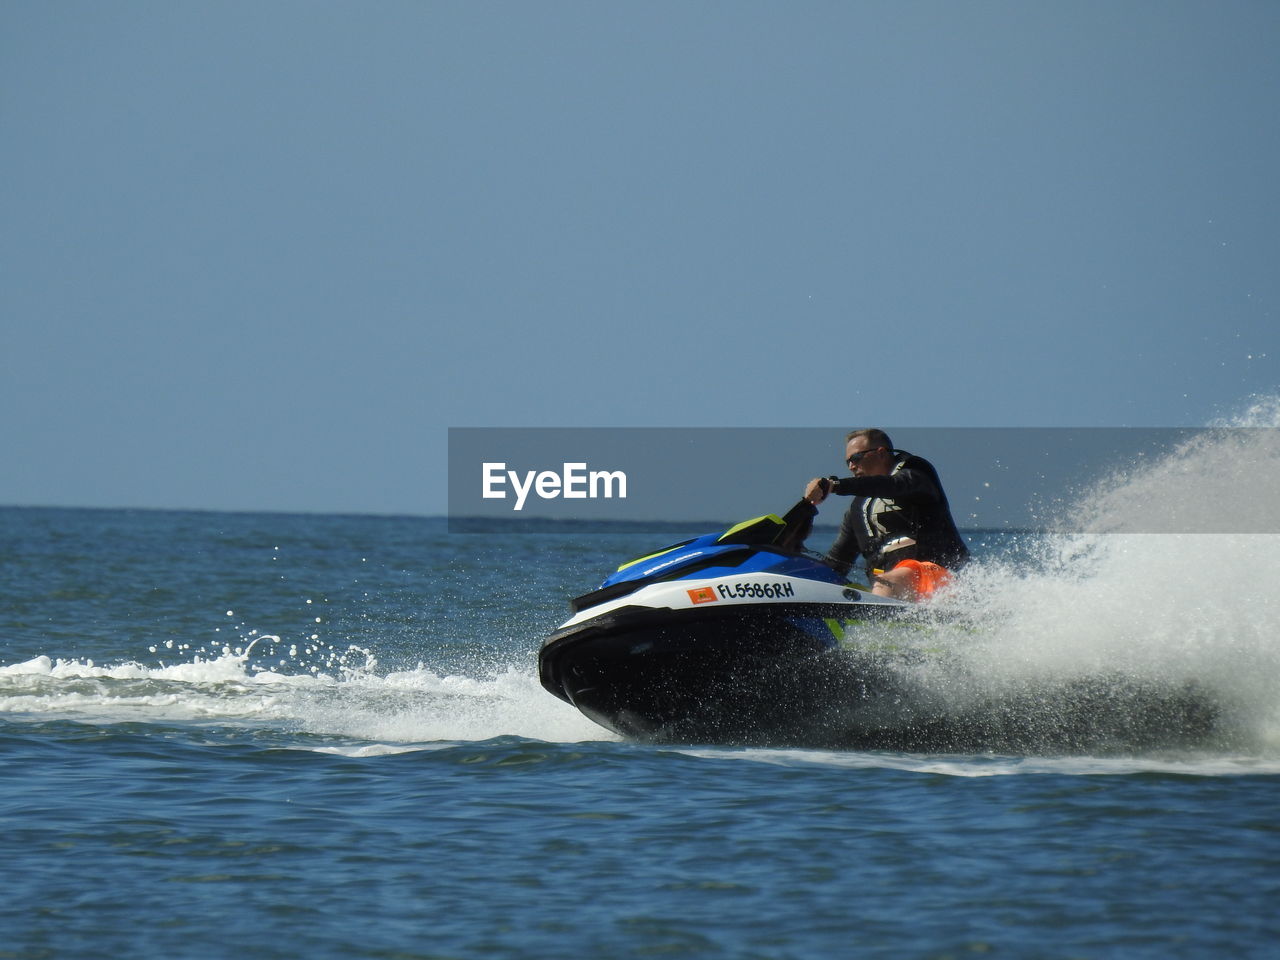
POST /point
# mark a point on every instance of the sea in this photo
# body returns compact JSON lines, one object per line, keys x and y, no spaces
{"x":278,"y":736}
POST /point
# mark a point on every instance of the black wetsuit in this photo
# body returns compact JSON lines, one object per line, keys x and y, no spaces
{"x":907,"y":503}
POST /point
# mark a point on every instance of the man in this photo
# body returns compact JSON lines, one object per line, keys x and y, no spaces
{"x":899,"y":521}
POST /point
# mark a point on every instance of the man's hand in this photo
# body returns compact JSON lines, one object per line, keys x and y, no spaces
{"x":817,"y":490}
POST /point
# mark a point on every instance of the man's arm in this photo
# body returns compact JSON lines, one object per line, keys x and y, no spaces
{"x":906,"y":484}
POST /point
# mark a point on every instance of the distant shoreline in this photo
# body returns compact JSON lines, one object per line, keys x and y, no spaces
{"x":469,"y":525}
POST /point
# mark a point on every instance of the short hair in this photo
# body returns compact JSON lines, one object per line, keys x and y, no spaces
{"x":875,"y":437}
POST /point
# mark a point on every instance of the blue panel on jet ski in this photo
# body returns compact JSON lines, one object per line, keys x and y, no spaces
{"x":704,"y":557}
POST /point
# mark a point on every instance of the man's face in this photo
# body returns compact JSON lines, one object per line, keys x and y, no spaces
{"x":864,"y":460}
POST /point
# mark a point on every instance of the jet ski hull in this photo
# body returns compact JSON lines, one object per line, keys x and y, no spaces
{"x":752,"y":674}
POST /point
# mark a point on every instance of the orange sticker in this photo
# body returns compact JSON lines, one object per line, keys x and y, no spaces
{"x":702,"y":595}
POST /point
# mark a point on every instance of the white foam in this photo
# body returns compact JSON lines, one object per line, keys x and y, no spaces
{"x":1204,"y":765}
{"x":407,"y":707}
{"x":1169,"y":611}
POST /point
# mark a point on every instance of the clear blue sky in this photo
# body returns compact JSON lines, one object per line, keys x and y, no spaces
{"x":260,"y":255}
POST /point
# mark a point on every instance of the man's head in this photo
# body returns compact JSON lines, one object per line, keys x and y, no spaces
{"x":868,"y":452}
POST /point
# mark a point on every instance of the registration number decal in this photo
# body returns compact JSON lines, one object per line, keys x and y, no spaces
{"x":756,"y":591}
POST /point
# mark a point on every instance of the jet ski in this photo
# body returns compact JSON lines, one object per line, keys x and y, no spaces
{"x":745,"y":638}
{"x":738,"y":637}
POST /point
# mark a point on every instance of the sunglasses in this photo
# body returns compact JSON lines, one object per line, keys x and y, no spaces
{"x":856,"y":458}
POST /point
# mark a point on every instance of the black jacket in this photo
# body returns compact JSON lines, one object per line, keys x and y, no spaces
{"x":908,"y":502}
